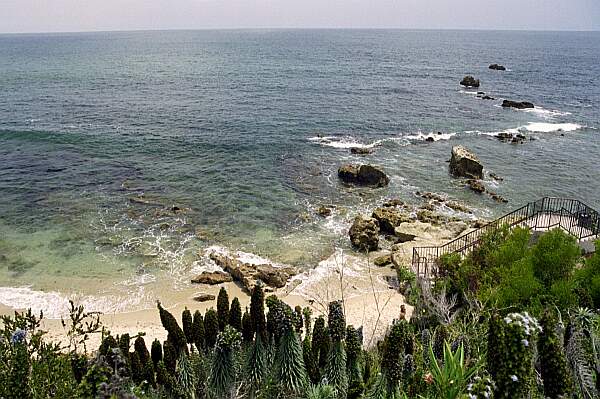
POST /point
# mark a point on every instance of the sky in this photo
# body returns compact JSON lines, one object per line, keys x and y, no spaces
{"x":19,"y":16}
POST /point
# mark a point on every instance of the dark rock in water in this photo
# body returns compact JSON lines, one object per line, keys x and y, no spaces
{"x":54,"y":170}
{"x":481,"y":93}
{"x":464,"y":163}
{"x":517,"y":104}
{"x":504,"y":136}
{"x":364,"y":233}
{"x":469,"y":81}
{"x":389,"y":219}
{"x":363,"y":175}
{"x":324,"y":211}
{"x":497,"y":197}
{"x":430,"y":196}
{"x":487,"y":98}
{"x":476,"y":185}
{"x":496,"y":177}
{"x":212,"y":278}
{"x":429,"y":139}
{"x":383,"y":260}
{"x":203,"y":297}
{"x":361,"y":151}
{"x":498,"y":67}
{"x":456,"y":206}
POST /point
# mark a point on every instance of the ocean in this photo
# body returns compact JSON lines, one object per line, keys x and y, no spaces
{"x":240,"y":134}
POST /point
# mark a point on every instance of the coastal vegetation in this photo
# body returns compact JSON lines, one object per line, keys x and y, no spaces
{"x":513,"y":319}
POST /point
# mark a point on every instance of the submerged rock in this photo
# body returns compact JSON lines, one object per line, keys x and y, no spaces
{"x":517,"y":104}
{"x":389,"y":218}
{"x":361,"y":151}
{"x":363,"y":175}
{"x":486,"y":97}
{"x":469,"y":81}
{"x":464,"y":163}
{"x":364,"y":233}
{"x":496,"y":177}
{"x":324,"y":211}
{"x":497,"y":67}
{"x":476,"y":185}
{"x":212,"y":278}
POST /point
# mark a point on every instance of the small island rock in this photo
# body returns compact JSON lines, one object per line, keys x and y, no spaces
{"x":517,"y":104}
{"x":469,"y":81}
{"x":363,"y":175}
{"x":464,"y":163}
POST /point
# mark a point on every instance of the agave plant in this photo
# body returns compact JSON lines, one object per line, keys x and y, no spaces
{"x":321,"y":392}
{"x":581,"y":340}
{"x":451,"y":377}
{"x":335,"y":372}
{"x":224,"y":370}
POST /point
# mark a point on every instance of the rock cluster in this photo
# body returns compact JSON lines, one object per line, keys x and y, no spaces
{"x":464,"y":163}
{"x":363,"y":175}
{"x":506,"y":137}
{"x":389,"y":218}
{"x":469,"y":81}
{"x":517,"y":104}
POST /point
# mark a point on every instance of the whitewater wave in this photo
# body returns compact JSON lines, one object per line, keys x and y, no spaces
{"x":435,"y":136}
{"x":343,"y":142}
{"x":55,"y":305}
{"x":546,"y":113}
{"x":541,"y":127}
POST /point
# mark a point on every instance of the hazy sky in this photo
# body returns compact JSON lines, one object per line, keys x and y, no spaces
{"x":85,"y":15}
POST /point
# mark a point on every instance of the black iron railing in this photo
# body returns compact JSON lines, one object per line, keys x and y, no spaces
{"x":573,"y":216}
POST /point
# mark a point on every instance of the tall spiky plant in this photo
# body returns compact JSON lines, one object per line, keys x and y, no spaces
{"x":211,"y":328}
{"x":335,"y":371}
{"x":353,"y":351}
{"x":247,"y":328}
{"x":223,"y":308}
{"x":235,"y":314}
{"x":320,"y":342}
{"x":298,"y":320}
{"x":553,"y":364}
{"x":186,"y":378}
{"x":256,"y":365}
{"x":186,"y":323}
{"x":224,"y":370}
{"x":175,"y":333}
{"x":290,"y":370}
{"x":198,"y":331}
{"x":156,"y":352}
{"x":257,"y":311}
{"x":578,"y":347}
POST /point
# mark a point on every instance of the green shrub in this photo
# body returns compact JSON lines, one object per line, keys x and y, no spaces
{"x":518,"y":286}
{"x":588,"y":277}
{"x":554,"y":256}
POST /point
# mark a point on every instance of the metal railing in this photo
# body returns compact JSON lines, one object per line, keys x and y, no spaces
{"x":573,"y":216}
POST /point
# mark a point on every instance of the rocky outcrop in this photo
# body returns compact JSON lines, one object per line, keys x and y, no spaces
{"x":464,"y":163}
{"x":469,"y":81}
{"x":363,"y":175}
{"x":364,"y":233}
{"x":383,"y":260}
{"x":517,"y":104}
{"x":389,"y":218}
{"x":248,"y":274}
{"x":361,"y":151}
{"x":402,"y":237}
{"x":212,"y":278}
{"x":497,"y":67}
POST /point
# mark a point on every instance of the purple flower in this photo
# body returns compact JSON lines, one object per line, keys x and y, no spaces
{"x":18,"y":336}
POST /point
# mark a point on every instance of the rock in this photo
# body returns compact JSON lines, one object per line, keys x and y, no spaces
{"x":464,"y":163}
{"x":398,"y":260}
{"x":393,"y":203}
{"x":429,"y":140}
{"x":496,"y":177}
{"x":383,"y":260}
{"x":248,"y":274}
{"x":455,"y":206}
{"x":203,"y":297}
{"x":487,"y":98}
{"x":324,"y":211}
{"x":504,"y":136}
{"x":427,"y":216}
{"x":142,"y":200}
{"x":429,"y":206}
{"x":401,"y":237}
{"x":481,"y":93}
{"x":497,"y":67}
{"x":469,"y":81}
{"x":477,"y":224}
{"x":498,"y":198}
{"x":476,"y":185}
{"x":363,"y":175}
{"x":517,"y":104}
{"x":389,"y":219}
{"x":431,"y":196}
{"x":361,"y":151}
{"x":364,"y":233}
{"x":212,"y":278}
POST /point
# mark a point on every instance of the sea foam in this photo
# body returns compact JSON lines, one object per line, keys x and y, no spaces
{"x":342,"y":142}
{"x":541,"y":127}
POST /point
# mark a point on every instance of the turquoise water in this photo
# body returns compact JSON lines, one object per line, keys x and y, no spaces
{"x":229,"y":125}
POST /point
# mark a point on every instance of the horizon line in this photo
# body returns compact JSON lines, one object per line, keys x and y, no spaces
{"x":282,"y":28}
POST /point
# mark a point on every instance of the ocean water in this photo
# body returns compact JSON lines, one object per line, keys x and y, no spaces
{"x":244,"y":131}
